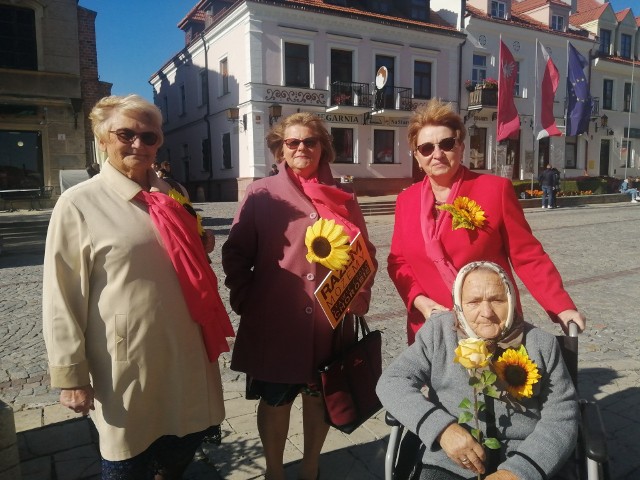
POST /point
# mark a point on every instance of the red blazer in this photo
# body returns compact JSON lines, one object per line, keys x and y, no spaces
{"x":505,"y":239}
{"x":283,"y":334}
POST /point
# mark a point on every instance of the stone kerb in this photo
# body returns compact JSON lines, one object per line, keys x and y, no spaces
{"x":9,"y":458}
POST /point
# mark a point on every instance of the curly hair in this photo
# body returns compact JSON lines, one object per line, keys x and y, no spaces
{"x":275,"y":138}
{"x":435,"y":112}
{"x":130,"y":105}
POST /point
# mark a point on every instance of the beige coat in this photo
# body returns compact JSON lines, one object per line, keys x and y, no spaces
{"x":114,"y":316}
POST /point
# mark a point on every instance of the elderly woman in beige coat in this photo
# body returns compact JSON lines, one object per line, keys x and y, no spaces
{"x":132,"y":329}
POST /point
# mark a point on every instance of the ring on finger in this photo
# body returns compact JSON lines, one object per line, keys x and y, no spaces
{"x":464,"y":460}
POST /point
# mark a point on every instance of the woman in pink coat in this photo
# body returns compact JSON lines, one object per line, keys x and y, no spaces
{"x":427,"y":252}
{"x":284,"y":335}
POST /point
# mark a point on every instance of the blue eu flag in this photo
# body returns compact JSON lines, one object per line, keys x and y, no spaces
{"x":579,"y":103}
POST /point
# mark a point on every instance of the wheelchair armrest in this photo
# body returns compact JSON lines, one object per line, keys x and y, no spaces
{"x":593,"y":432}
{"x":391,"y":420}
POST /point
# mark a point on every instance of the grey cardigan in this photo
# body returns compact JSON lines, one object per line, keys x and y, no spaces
{"x":535,"y":443}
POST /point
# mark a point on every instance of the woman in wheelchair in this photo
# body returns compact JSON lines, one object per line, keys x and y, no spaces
{"x":535,"y":419}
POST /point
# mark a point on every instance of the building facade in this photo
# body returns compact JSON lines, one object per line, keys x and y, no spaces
{"x":248,"y":63}
{"x":48,"y":83}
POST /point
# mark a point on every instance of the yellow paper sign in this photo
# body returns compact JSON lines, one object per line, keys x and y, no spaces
{"x":340,"y":287}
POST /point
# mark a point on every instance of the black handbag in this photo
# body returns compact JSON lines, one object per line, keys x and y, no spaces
{"x":349,"y":379}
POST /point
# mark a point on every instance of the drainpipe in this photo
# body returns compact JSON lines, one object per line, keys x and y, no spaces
{"x":206,"y":118}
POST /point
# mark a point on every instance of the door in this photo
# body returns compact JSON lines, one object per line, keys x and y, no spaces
{"x":605,"y":149}
{"x":21,"y":163}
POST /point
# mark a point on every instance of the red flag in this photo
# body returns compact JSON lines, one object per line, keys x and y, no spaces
{"x":545,"y":95}
{"x":508,"y":121}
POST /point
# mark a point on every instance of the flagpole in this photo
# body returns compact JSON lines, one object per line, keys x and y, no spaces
{"x":535,"y":121}
{"x":633,"y":67}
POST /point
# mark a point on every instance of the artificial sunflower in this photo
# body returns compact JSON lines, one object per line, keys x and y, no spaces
{"x":328,"y":244}
{"x":465,"y":213}
{"x":518,"y":372}
{"x":182,"y":200}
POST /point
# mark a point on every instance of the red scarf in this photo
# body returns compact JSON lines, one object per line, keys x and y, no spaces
{"x":328,"y":200}
{"x":432,"y":228}
{"x":179,"y":233}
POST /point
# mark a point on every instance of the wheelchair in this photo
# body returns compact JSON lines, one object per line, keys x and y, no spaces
{"x":403,"y":459}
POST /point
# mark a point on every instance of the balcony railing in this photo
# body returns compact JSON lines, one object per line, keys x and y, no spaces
{"x":595,"y":106}
{"x":350,"y":94}
{"x":394,"y":98}
{"x":483,"y":98}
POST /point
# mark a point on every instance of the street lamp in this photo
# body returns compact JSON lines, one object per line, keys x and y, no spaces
{"x":275,"y":112}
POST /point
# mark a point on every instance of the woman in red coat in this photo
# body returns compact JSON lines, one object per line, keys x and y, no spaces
{"x":427,"y":252}
{"x":284,"y":336}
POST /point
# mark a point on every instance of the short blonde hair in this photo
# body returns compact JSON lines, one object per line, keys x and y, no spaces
{"x":130,"y":105}
{"x":435,"y":112}
{"x":275,"y":138}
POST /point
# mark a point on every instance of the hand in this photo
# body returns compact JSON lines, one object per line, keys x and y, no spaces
{"x":572,"y":316}
{"x":502,"y":475}
{"x":209,"y":241}
{"x":80,"y":399}
{"x":426,"y":306}
{"x":462,"y":448}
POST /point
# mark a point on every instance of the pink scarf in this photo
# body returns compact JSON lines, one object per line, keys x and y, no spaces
{"x":432,"y":228}
{"x":179,"y":233}
{"x":328,"y":200}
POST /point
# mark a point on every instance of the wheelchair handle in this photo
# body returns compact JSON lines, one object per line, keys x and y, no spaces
{"x":573,"y":329}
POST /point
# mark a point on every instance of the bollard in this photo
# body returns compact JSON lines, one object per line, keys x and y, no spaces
{"x":200,"y":195}
{"x":9,"y":458}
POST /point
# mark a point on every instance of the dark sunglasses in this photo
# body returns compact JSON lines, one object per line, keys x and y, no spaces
{"x":446,"y":145}
{"x":126,"y":135}
{"x":294,"y":143}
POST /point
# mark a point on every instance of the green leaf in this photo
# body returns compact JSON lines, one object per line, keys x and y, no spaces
{"x":492,"y":443}
{"x":474,"y":381}
{"x":481,"y":406}
{"x":464,"y":417}
{"x":488,"y":377}
{"x":491,"y":391}
{"x":466,"y":404}
{"x":476,"y":433}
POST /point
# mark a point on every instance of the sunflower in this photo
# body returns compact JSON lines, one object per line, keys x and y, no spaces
{"x":518,"y":372}
{"x":182,"y":200}
{"x":328,"y":245}
{"x":465,"y":213}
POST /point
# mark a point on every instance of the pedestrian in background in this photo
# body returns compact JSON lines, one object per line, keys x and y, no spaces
{"x":549,"y":180}
{"x":627,"y":186}
{"x":284,"y":335}
{"x":427,"y":252}
{"x":132,"y":319}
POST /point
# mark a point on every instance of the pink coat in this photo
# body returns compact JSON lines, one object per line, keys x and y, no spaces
{"x":283,"y":335}
{"x":505,"y":239}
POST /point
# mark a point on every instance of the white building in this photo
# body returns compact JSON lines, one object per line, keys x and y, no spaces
{"x":249,"y":59}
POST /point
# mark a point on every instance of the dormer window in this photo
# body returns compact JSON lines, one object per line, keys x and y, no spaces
{"x":605,"y":41}
{"x":498,"y":9}
{"x":625,"y":46}
{"x":557,"y":23}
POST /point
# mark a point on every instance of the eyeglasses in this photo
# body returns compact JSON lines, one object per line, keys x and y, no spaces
{"x":126,"y":135}
{"x":446,"y":145}
{"x":294,"y":143}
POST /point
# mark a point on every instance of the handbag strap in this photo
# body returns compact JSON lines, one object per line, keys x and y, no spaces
{"x":360,"y":329}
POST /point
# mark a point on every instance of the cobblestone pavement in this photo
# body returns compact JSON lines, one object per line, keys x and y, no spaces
{"x":595,"y":248}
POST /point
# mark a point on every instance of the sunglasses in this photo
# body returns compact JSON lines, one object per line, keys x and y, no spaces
{"x":126,"y":135}
{"x":446,"y":145}
{"x":294,"y":143}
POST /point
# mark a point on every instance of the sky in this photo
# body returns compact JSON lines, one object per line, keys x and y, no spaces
{"x":136,"y":37}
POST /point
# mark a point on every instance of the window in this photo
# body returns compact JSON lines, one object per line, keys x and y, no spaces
{"x":628,"y":91}
{"x":18,"y":45}
{"x":498,"y":9}
{"x":607,"y":94}
{"x":625,"y":45}
{"x":21,"y":160}
{"x":605,"y":41}
{"x":422,"y":79}
{"x":383,"y":143}
{"x":341,"y":66}
{"x":224,"y":76}
{"x":557,"y":23}
{"x":478,"y":148}
{"x":165,"y":108}
{"x":343,"y":144}
{"x":296,"y":65}
{"x":183,"y":101}
{"x":203,"y":87}
{"x":206,"y":155}
{"x":570,"y":152}
{"x":380,"y":6}
{"x":479,"y":72}
{"x":419,"y":10}
{"x":226,"y":150}
{"x":516,"y":84}
{"x":625,"y":154}
{"x":385,"y":98}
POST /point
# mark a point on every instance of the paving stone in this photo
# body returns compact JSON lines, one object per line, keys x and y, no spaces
{"x":77,"y":463}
